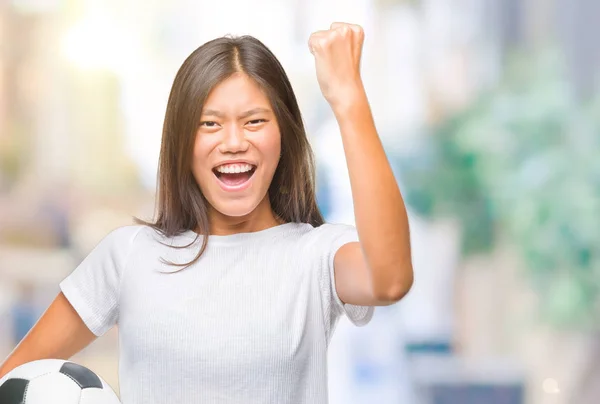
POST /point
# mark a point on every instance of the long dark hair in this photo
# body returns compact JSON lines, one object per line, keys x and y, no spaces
{"x":180,"y":204}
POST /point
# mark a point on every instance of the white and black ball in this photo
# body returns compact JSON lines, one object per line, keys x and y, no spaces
{"x":54,"y":381}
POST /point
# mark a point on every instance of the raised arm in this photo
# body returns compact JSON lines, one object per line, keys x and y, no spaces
{"x":59,"y":334}
{"x":377,"y":270}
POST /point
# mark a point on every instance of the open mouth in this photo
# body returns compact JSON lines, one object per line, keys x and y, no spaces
{"x":229,"y":177}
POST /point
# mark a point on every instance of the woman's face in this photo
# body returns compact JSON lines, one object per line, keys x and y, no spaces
{"x":237,"y":146}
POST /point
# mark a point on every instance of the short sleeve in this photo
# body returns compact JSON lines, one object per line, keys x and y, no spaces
{"x":93,"y":287}
{"x":332,"y":238}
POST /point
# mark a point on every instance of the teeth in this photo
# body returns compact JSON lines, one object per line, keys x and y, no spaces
{"x":234,"y":168}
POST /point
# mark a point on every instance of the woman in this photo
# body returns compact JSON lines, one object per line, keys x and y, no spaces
{"x":232,"y":294}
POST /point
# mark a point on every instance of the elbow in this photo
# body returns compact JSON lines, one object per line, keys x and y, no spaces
{"x":393,"y":291}
{"x":396,"y":292}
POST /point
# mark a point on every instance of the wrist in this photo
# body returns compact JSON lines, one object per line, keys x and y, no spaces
{"x":349,"y":101}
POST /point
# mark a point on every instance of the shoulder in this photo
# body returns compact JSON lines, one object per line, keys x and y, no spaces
{"x":125,"y":235}
{"x":327,"y":236}
{"x":120,"y":239}
{"x":332,"y":231}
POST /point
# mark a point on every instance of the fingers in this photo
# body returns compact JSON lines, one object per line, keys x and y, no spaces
{"x":316,"y":41}
{"x":319,"y":39}
{"x":338,"y":25}
{"x":345,"y":27}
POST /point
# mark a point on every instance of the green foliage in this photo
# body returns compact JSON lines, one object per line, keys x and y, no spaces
{"x":523,"y":161}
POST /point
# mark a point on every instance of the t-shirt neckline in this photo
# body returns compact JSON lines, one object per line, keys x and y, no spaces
{"x":245,"y":236}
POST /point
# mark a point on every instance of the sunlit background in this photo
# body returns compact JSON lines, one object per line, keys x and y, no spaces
{"x":490,"y":115}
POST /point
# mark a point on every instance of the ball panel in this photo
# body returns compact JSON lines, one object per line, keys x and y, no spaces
{"x":81,"y":375}
{"x":53,"y":388}
{"x":12,"y":391}
{"x":34,"y":369}
{"x":98,"y":396}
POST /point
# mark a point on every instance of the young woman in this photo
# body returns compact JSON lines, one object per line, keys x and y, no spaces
{"x":231,"y":295}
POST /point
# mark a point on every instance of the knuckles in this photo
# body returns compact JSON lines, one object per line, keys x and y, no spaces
{"x":338,"y":33}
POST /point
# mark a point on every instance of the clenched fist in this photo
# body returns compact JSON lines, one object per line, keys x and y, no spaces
{"x":337,"y":53}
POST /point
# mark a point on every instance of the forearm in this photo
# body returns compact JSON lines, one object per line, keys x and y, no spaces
{"x":58,"y":334}
{"x":381,"y":218}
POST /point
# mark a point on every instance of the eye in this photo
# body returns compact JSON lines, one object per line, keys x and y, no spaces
{"x":209,"y":124}
{"x":256,"y":121}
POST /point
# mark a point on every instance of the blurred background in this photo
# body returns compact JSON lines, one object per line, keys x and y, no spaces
{"x":490,"y":114}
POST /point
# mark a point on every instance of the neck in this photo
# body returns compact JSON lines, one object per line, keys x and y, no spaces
{"x":261,"y":218}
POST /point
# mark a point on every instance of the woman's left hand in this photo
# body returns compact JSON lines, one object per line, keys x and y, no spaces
{"x":337,"y":53}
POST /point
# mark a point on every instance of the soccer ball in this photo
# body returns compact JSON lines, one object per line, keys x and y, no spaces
{"x":54,"y":381}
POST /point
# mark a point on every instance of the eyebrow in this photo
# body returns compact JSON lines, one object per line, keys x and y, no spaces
{"x":219,"y":114}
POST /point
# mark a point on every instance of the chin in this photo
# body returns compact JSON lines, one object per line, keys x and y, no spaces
{"x":235,"y":208}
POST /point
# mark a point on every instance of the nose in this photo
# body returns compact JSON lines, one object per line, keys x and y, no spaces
{"x":234,"y":141}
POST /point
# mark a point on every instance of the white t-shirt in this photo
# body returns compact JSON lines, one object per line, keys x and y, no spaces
{"x":248,"y":323}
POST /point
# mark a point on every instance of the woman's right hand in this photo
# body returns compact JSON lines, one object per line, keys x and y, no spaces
{"x":60,"y":333}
